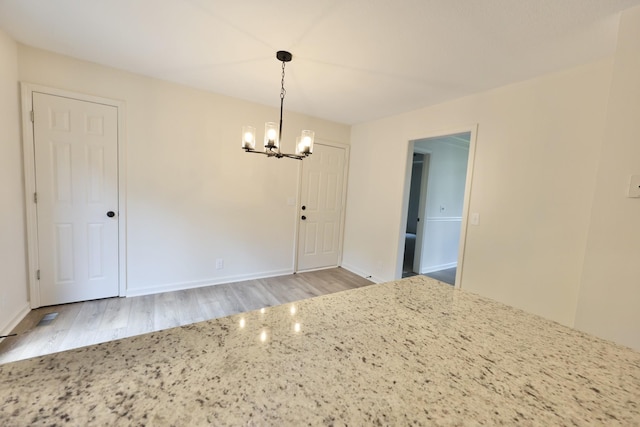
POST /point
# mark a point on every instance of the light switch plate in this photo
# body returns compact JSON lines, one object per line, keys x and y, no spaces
{"x":634,"y":186}
{"x":475,"y":218}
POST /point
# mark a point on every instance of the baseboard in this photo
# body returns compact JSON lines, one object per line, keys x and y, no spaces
{"x":136,"y":292}
{"x":361,"y":273}
{"x":21,"y":314}
{"x":432,"y":268}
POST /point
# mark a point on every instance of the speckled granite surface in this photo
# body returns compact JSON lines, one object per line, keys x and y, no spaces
{"x":412,"y":352}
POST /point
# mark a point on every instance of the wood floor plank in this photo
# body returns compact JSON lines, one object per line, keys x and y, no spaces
{"x":268,"y":297}
{"x":52,"y":342}
{"x":116,"y":315}
{"x":188,"y":307}
{"x":165,"y":316}
{"x":141,"y":315}
{"x":78,"y":337}
{"x":91,"y":314}
{"x":91,"y":322}
{"x":229,"y":299}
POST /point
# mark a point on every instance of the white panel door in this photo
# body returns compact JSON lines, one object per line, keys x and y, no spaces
{"x":320,"y":214}
{"x":76,"y":162}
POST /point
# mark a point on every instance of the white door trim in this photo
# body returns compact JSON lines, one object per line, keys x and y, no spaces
{"x":465,"y":207}
{"x":27,"y":90}
{"x":346,"y":148}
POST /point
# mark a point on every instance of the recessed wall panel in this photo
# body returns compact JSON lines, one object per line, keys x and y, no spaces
{"x":95,"y":250}
{"x":328,"y":237}
{"x":96,"y":173}
{"x":60,"y":120}
{"x":313,"y":191}
{"x":94,"y":125}
{"x":331,"y":203}
{"x":310,"y":238}
{"x":64,"y":253}
{"x":62,"y":176}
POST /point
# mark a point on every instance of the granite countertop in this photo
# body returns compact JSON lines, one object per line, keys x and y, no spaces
{"x":410,"y":352}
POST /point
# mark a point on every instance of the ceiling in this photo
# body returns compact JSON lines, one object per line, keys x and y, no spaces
{"x":353,"y":60}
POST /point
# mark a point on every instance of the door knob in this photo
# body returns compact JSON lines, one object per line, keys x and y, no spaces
{"x":303,"y":217}
{"x":111,"y":214}
{"x":304,"y":207}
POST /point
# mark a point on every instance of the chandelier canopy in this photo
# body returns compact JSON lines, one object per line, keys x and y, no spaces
{"x":273,"y":132}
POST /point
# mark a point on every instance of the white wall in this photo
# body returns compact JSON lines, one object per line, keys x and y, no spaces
{"x":445,"y":189}
{"x":536,"y":156}
{"x":13,"y":265}
{"x":192,"y":194}
{"x":609,"y":303}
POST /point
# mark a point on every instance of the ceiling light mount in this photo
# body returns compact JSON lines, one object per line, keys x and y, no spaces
{"x":272,"y":134}
{"x":284,"y":56}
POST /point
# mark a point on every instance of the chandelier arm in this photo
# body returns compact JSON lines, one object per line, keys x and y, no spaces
{"x":276,"y":154}
{"x":292,"y":156}
{"x":266,"y":153}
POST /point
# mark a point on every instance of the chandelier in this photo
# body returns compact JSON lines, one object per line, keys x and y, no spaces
{"x":273,"y":133}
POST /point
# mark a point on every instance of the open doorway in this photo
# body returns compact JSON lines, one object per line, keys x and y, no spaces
{"x":437,"y":206}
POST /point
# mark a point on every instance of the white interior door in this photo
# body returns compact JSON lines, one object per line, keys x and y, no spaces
{"x":321,"y":205}
{"x":76,"y":164}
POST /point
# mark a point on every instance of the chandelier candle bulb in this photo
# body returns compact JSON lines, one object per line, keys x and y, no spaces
{"x":248,"y":137}
{"x":307,"y":141}
{"x":270,"y":135}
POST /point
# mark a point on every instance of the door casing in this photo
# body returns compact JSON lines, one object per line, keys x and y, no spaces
{"x":27,"y":90}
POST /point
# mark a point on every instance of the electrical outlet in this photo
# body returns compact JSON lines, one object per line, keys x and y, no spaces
{"x":219,"y":264}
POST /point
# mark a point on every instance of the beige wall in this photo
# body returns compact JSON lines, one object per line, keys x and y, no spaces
{"x":609,"y":303}
{"x":192,"y":194}
{"x":13,"y":263}
{"x":536,"y":157}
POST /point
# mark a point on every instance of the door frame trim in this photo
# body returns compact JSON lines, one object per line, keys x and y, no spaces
{"x":296,"y":245}
{"x":27,"y":90}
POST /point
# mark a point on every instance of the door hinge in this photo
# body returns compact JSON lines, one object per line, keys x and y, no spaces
{"x":35,"y":197}
{"x":38,"y":274}
{"x":31,"y":115}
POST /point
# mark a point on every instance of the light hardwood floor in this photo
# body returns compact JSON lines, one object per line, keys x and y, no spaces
{"x":91,"y":322}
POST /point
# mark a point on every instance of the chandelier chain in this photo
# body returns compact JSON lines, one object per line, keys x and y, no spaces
{"x":283,"y":92}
